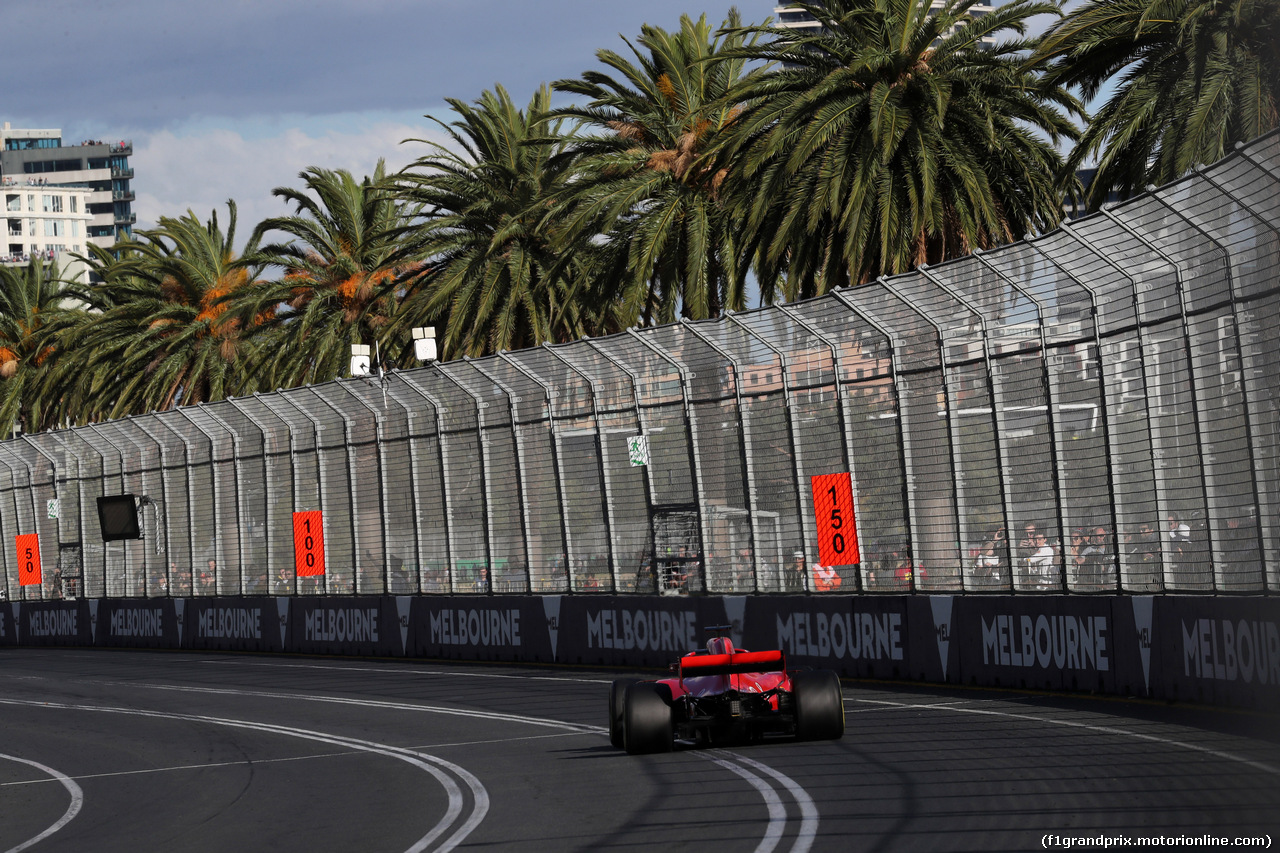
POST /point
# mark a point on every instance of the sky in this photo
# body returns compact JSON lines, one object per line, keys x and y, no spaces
{"x":232,"y":98}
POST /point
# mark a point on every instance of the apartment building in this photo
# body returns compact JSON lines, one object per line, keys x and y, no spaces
{"x":42,"y":158}
{"x":44,"y":221}
{"x":794,"y":18}
{"x":60,"y":197}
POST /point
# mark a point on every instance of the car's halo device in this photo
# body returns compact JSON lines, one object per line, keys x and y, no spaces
{"x":118,"y":516}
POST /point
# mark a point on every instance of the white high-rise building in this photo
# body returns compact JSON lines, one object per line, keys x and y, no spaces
{"x":40,"y":158}
{"x":60,"y":198}
{"x":44,"y":221}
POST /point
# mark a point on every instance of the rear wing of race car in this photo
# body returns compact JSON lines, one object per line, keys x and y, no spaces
{"x":696,"y":666}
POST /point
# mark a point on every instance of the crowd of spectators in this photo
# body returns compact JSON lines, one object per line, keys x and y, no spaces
{"x":1089,"y":559}
{"x":32,"y":181}
{"x":23,"y":257}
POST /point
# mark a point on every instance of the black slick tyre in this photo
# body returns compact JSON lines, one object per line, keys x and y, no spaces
{"x":617,"y":705}
{"x":647,"y":718}
{"x":819,"y":705}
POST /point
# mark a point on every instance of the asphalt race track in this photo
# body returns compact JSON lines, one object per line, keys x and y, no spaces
{"x":153,"y":751}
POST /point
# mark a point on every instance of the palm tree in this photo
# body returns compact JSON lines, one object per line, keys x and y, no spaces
{"x":163,"y":333}
{"x":1193,"y":77}
{"x":898,"y":135}
{"x":498,"y":273}
{"x":338,"y":273}
{"x":30,"y":306}
{"x":648,"y":181}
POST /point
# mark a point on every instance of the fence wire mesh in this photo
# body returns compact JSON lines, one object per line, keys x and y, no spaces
{"x":1091,"y":411}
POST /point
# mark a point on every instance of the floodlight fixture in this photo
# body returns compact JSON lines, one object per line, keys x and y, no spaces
{"x":359,"y":359}
{"x":424,"y":343}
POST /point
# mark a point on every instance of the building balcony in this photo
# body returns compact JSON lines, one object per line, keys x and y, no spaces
{"x":124,"y":147}
{"x":117,"y":172}
{"x":123,"y":195}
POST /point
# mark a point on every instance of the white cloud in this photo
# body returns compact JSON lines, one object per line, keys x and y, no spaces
{"x":200,"y":170}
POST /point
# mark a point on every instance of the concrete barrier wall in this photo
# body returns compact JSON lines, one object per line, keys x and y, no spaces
{"x":1218,"y":650}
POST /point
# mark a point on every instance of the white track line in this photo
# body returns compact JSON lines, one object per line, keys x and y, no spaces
{"x":808,"y":811}
{"x":427,"y":763}
{"x":773,"y":833}
{"x":369,"y":703}
{"x":177,"y":768}
{"x":1110,"y":730}
{"x":777,"y":813}
{"x":77,"y":801}
{"x":402,"y":671}
{"x":773,"y":803}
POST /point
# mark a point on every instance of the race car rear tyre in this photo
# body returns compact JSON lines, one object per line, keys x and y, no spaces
{"x":819,"y":705}
{"x":618,"y":704}
{"x":647,"y":718}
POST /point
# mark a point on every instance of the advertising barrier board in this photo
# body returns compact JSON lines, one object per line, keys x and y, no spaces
{"x":1039,"y":642}
{"x":232,"y":624}
{"x":857,"y":637}
{"x":935,"y":653}
{"x":643,"y":631}
{"x":8,"y":627}
{"x":1211,"y":649}
{"x":1219,"y":650}
{"x":510,"y":628}
{"x":1135,"y":662}
{"x":54,"y":623}
{"x":145,"y":624}
{"x":368,"y":626}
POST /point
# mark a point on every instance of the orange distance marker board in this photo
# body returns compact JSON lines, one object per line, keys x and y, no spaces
{"x":308,"y":543}
{"x":29,"y":573}
{"x":837,"y":529}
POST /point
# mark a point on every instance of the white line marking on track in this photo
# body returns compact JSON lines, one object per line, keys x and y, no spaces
{"x":77,"y":801}
{"x":394,"y":671}
{"x":428,"y":763}
{"x":259,"y":761}
{"x":777,"y":813}
{"x":808,"y":811}
{"x":487,"y":741}
{"x":1216,"y":753}
{"x":387,"y":670}
{"x":179,"y":767}
{"x":773,"y":803}
{"x":369,"y":703}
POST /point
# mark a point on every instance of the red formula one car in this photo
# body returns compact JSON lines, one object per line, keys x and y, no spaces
{"x":725,"y":694}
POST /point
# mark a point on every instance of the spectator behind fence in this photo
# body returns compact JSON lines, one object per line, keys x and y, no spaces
{"x":1102,"y":557}
{"x":991,"y":559}
{"x":1027,"y":546}
{"x":793,"y":580}
{"x":1040,"y":565}
{"x":1145,"y":545}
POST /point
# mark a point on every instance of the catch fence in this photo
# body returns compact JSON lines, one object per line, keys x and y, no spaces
{"x":1095,"y":410}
